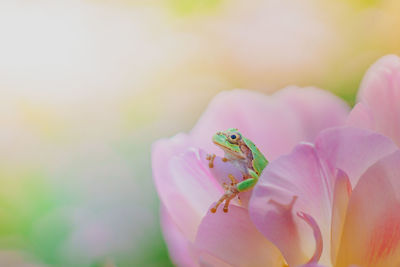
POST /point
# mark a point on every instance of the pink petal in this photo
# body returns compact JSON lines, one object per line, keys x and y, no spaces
{"x":380,"y":92}
{"x":352,"y":150}
{"x":371,"y":234}
{"x":183,"y":252}
{"x":184,"y":184}
{"x":162,"y":151}
{"x":316,"y":109}
{"x":317,"y":236}
{"x":255,"y":115}
{"x":292,"y":184}
{"x":341,"y":196}
{"x":275,"y":123}
{"x":208,"y":260}
{"x":309,"y":174}
{"x":178,"y":245}
{"x":233,"y":238}
{"x":361,"y":116}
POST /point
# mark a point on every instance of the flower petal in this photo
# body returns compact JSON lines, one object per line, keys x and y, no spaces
{"x":361,"y":116}
{"x":179,"y":247}
{"x":371,"y":234}
{"x":341,"y":196}
{"x":208,"y":260}
{"x":309,"y":174}
{"x":233,"y":238}
{"x":380,"y":92}
{"x":184,"y":184}
{"x":315,"y":109}
{"x":162,"y":151}
{"x":292,"y":184}
{"x":274,"y":123}
{"x":255,"y":115}
{"x":352,"y":150}
{"x":317,"y":236}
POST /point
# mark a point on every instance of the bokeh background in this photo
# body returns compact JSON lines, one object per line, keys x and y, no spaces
{"x":87,"y":86}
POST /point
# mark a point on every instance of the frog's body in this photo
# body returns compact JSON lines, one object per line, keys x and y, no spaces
{"x":245,"y":156}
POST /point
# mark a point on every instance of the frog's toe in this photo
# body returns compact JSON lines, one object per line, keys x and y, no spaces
{"x":233,"y":179}
{"x":226,"y":205}
{"x":210,"y":158}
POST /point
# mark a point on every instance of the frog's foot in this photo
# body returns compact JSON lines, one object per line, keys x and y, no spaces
{"x":233,"y":179}
{"x":210,"y":158}
{"x":230,"y":193}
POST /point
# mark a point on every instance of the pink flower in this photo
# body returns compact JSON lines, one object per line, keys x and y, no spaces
{"x":188,"y":187}
{"x":379,"y":99}
{"x":338,"y":200}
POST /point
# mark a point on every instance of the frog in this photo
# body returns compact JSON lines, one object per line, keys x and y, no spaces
{"x":243,"y":154}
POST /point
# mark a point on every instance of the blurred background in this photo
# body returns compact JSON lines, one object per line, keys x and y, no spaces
{"x":87,"y":86}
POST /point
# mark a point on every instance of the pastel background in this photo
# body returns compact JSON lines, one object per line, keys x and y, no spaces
{"x":87,"y":86}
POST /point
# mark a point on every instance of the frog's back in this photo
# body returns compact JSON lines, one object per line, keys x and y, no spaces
{"x":259,"y":161}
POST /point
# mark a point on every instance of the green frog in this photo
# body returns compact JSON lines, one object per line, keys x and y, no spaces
{"x":245,"y":156}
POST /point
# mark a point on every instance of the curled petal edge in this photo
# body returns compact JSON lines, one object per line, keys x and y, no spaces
{"x":317,"y":235}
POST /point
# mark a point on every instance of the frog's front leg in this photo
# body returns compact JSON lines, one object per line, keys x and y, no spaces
{"x":230,"y":193}
{"x":210,"y":158}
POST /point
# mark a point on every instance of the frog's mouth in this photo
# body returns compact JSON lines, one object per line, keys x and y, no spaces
{"x":229,"y":148}
{"x":238,"y":155}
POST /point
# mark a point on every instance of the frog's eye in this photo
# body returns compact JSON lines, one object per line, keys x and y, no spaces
{"x":234,"y":138}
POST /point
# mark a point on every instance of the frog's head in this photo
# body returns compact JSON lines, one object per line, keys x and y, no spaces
{"x":229,"y":141}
